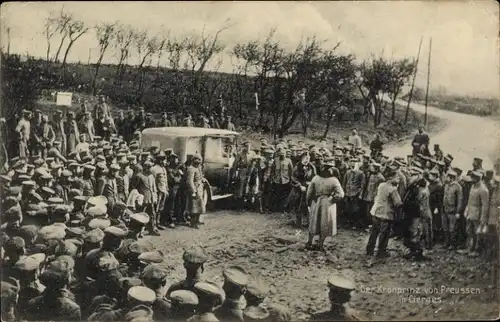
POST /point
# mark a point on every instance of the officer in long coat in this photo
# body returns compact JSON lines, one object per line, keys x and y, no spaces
{"x":195,"y":190}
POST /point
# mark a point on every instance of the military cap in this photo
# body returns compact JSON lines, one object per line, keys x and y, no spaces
{"x":129,"y":282}
{"x":115,"y":167}
{"x":236,"y":275}
{"x":13,"y":213}
{"x":73,"y":165}
{"x":80,"y":199}
{"x":55,"y":143}
{"x":142,"y":294}
{"x":452,"y":173}
{"x":101,"y":223}
{"x":140,"y":217}
{"x":212,"y":290}
{"x":94,"y":236}
{"x":416,"y":164}
{"x":467,"y":178}
{"x":131,"y":157}
{"x":434,"y":172}
{"x":29,"y":183}
{"x":97,"y":138}
{"x":341,"y":283}
{"x":28,"y":232}
{"x":108,"y":263}
{"x":255,"y":313}
{"x":77,"y":242}
{"x":48,"y":191}
{"x":477,"y":174}
{"x":115,"y":231}
{"x":416,"y":170}
{"x":329,"y":162}
{"x":14,"y":190}
{"x":49,"y":159}
{"x":62,"y":263}
{"x":75,"y":232}
{"x":15,"y":242}
{"x":258,"y":288}
{"x":66,"y":248}
{"x":154,"y":272}
{"x":96,"y":211}
{"x":17,"y":164}
{"x":23,"y":177}
{"x":195,"y":255}
{"x":479,"y":160}
{"x":184,"y":297}
{"x":123,"y":162}
{"x":66,"y":173}
{"x":52,"y":232}
{"x":97,"y":201}
{"x":30,"y":263}
{"x":100,"y":159}
{"x":46,"y":176}
{"x":30,"y":166}
{"x":449,"y":157}
{"x":55,"y":200}
{"x":152,"y":257}
{"x":5,"y":178}
{"x":440,"y":163}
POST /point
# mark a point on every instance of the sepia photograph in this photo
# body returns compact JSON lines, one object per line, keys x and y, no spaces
{"x":250,"y":160}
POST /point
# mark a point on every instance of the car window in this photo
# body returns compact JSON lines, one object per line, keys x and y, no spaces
{"x":214,"y":149}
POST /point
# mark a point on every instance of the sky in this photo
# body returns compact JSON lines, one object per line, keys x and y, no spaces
{"x":465,"y":55}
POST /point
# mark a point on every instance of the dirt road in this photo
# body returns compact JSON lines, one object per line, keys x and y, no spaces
{"x":450,"y":286}
{"x":463,"y":136}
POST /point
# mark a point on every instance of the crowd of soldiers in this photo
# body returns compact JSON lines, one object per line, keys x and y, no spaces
{"x":79,"y":194}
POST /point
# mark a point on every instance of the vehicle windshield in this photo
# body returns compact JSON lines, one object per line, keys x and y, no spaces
{"x":218,"y":148}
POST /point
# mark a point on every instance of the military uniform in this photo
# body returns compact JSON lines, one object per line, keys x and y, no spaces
{"x":234,"y":304}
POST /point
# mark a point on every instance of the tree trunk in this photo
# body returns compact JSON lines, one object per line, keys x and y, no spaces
{"x":393,"y":113}
{"x":63,"y":66}
{"x":328,"y":124}
{"x":56,"y":58}
{"x":48,"y":51}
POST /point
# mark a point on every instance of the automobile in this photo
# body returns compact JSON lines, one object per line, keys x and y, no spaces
{"x":216,"y":147}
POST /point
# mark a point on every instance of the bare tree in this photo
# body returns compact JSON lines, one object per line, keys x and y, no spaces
{"x":124,"y":37}
{"x":145,"y":47}
{"x":49,"y":32}
{"x":105,"y":33}
{"x":160,"y":50}
{"x":62,"y":22}
{"x":75,"y":29}
{"x":200,"y":50}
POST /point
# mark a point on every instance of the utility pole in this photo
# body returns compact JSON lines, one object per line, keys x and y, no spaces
{"x":413,"y":81}
{"x":428,"y":81}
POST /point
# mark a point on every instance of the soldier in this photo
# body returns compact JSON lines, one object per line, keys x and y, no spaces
{"x":123,"y":181}
{"x":340,"y":289}
{"x":374,"y":179}
{"x":174,"y":202}
{"x":196,"y":190}
{"x":256,"y":292}
{"x":281,"y":173}
{"x":452,"y":203}
{"x":477,"y":207}
{"x":235,"y":281}
{"x":239,"y":171}
{"x":56,"y":302}
{"x":161,"y":179}
{"x":183,"y":305}
{"x":72,"y":133}
{"x":59,"y":130}
{"x":386,"y":202}
{"x":491,"y":220}
{"x":23,"y":129}
{"x":228,"y":125}
{"x":193,"y":258}
{"x":302,"y":175}
{"x":88,"y":180}
{"x":210,"y":296}
{"x":354,"y":181}
{"x":107,"y":186}
{"x":86,"y":127}
{"x":436,"y":203}
{"x":61,"y":185}
{"x":83,"y":145}
{"x":421,"y":142}
{"x":164,"y":122}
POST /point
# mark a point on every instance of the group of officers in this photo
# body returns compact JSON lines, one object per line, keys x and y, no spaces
{"x":422,"y":199}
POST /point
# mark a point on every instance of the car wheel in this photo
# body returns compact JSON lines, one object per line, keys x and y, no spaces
{"x":205,"y":198}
